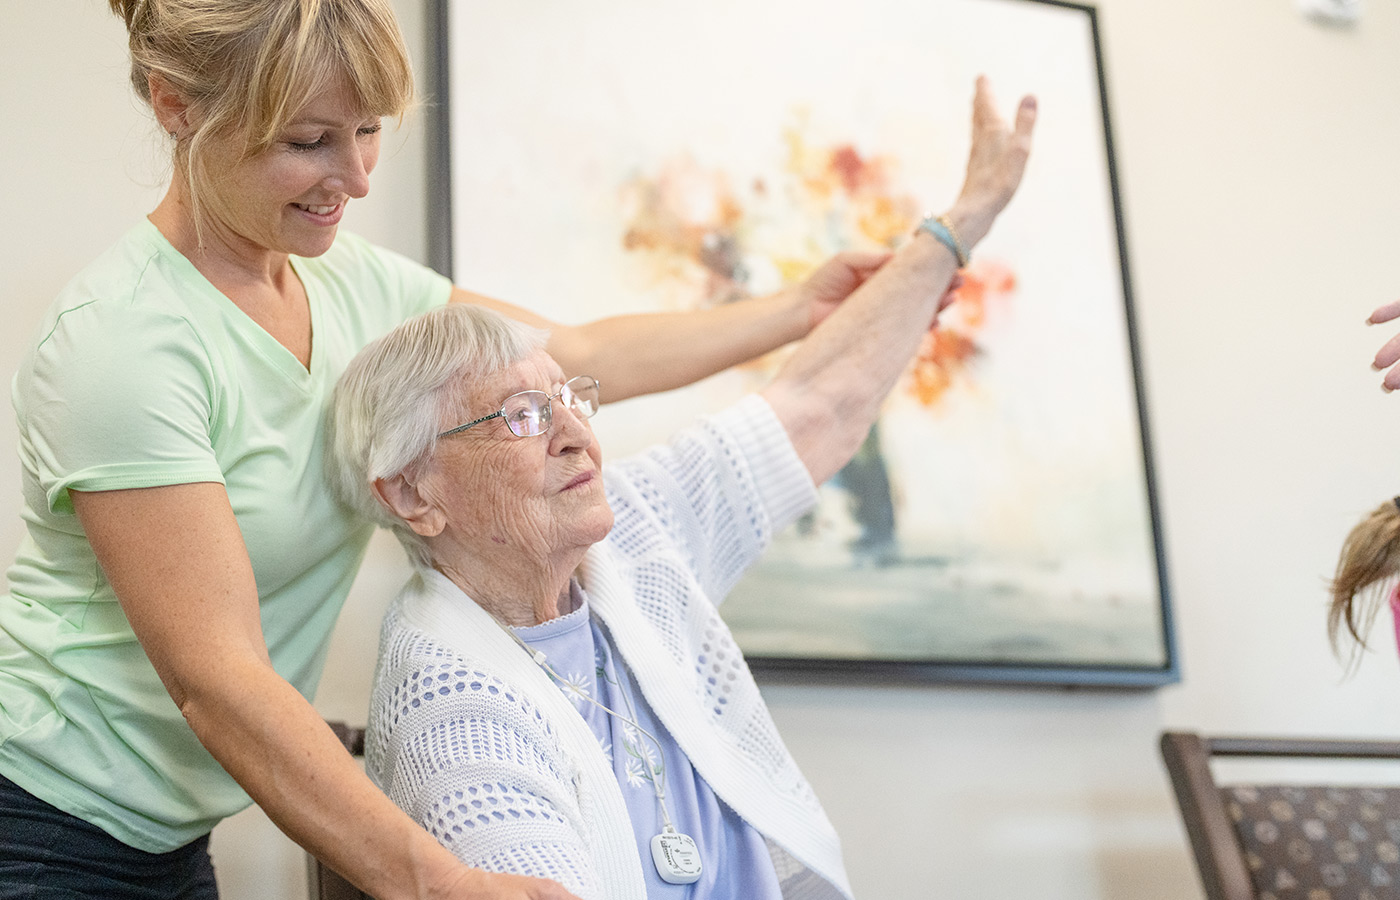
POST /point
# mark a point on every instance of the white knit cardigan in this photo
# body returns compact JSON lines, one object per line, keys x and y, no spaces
{"x":474,"y":741}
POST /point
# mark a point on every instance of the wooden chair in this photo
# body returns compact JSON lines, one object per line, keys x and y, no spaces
{"x":1254,"y":842}
{"x":323,"y":882}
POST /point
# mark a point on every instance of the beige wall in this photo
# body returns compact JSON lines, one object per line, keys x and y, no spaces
{"x":1255,"y":155}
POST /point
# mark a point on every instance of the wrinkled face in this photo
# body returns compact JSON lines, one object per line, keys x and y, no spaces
{"x":290,"y":198}
{"x":531,"y":501}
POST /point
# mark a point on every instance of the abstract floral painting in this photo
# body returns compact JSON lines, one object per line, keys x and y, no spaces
{"x":998,"y":522}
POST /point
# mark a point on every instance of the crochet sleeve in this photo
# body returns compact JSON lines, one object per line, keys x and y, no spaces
{"x":475,"y":764}
{"x":717,"y":492}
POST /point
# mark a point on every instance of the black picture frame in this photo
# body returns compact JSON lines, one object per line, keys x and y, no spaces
{"x":1162,"y":668}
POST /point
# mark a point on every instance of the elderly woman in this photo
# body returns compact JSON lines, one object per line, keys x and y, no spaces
{"x":557,"y":694}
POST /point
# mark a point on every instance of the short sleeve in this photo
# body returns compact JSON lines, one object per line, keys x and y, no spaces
{"x":113,"y":402}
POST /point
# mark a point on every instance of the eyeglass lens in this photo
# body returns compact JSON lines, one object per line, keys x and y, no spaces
{"x":529,"y":413}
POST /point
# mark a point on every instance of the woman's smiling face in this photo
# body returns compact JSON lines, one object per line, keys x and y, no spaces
{"x":290,"y":197}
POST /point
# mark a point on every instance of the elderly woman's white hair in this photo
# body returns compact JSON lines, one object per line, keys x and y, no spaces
{"x":387,"y":409}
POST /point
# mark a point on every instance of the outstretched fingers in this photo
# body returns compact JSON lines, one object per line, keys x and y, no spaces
{"x":1384,"y":313}
{"x":984,"y":105}
{"x":999,"y":150}
{"x":1389,"y":355}
{"x":1386,"y":358}
{"x":1025,"y":120}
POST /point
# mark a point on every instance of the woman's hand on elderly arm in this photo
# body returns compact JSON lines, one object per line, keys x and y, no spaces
{"x":175,"y":558}
{"x":830,"y":391}
{"x":649,"y":352}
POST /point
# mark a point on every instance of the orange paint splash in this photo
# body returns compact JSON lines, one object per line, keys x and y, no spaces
{"x":839,"y":180}
{"x":948,"y":350}
{"x":685,"y":220}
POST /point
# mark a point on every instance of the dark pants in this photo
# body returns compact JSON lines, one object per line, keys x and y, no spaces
{"x":46,"y":854}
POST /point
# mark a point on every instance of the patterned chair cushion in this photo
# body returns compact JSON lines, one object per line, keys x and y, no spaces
{"x":1319,"y":843}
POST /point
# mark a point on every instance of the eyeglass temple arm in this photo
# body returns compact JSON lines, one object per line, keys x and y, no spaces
{"x":452,"y":431}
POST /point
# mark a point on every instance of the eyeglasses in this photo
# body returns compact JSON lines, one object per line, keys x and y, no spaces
{"x":529,"y":413}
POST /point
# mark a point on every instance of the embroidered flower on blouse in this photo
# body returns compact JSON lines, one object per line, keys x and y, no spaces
{"x":575,"y":686}
{"x":637,"y":775}
{"x":642,"y":765}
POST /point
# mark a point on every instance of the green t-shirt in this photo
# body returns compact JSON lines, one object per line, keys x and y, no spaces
{"x":143,"y":374}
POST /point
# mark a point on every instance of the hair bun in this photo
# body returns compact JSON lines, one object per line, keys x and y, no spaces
{"x":132,"y":12}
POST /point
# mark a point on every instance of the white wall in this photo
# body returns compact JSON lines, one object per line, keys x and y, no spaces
{"x":1255,"y":155}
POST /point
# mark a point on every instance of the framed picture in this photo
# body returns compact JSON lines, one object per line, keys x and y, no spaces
{"x":999,"y":524}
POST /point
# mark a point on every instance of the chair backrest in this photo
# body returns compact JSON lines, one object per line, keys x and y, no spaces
{"x":323,"y":882}
{"x":1262,"y":841}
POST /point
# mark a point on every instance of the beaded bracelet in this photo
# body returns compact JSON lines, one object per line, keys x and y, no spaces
{"x":941,"y":227}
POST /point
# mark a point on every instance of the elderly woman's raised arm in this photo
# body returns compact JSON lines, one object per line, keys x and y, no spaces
{"x":829,"y":393}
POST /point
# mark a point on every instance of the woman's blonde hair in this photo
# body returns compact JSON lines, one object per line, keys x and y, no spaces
{"x":247,"y":67}
{"x":1370,"y":560}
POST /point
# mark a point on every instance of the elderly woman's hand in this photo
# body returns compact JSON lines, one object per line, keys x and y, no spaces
{"x":994,"y":165}
{"x":1389,"y":354}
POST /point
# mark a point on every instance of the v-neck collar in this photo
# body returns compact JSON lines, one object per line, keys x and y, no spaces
{"x":267,"y":346}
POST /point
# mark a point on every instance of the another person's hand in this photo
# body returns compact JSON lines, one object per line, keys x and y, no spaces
{"x":834,"y":280}
{"x":475,"y":884}
{"x":994,"y":165}
{"x":1389,"y":354}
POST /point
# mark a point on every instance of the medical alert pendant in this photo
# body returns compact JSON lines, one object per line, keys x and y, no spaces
{"x":676,"y":856}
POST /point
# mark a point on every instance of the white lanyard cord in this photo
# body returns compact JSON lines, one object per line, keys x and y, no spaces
{"x":658,"y":780}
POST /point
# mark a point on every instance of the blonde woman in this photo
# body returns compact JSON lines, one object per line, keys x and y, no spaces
{"x":1365,"y":580}
{"x":167,"y":615}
